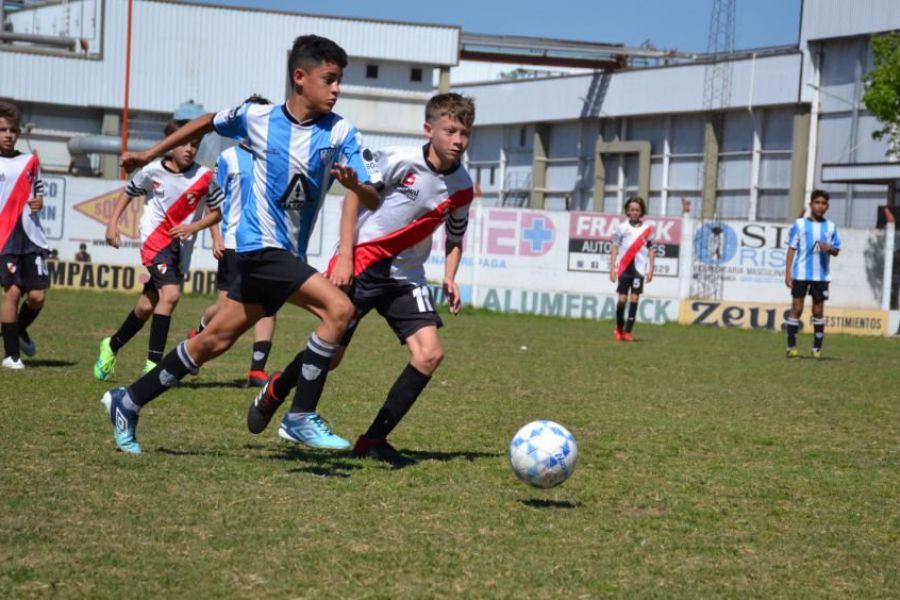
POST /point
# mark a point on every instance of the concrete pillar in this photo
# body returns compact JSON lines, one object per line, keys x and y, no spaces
{"x":800,"y":161}
{"x":711,"y":163}
{"x":444,"y":80}
{"x":109,"y":163}
{"x":539,"y":165}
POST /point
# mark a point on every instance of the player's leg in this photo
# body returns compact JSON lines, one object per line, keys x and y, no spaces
{"x":302,"y":423}
{"x":9,"y":325}
{"x":622,"y":290}
{"x":263,"y":332}
{"x":28,"y":312}
{"x":208,"y":314}
{"x":167,"y":299}
{"x":637,"y":288}
{"x":819,"y":295}
{"x":105,"y":365}
{"x":792,"y":324}
{"x":124,"y":404}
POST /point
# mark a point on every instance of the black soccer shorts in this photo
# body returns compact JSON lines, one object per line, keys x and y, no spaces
{"x":268,"y":277}
{"x":25,"y":271}
{"x":407,"y":307}
{"x":817,"y":289}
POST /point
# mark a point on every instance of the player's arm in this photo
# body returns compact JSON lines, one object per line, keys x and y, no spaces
{"x":453,"y":252}
{"x":186,"y":230}
{"x":36,"y":203}
{"x":112,"y":227}
{"x":193,"y":130}
{"x":651,"y":264}
{"x":613,"y":256}
{"x":218,"y":244}
{"x":788,"y":263}
{"x":342,"y":274}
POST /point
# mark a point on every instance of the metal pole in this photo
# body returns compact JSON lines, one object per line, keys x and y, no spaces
{"x":889,"y":233}
{"x":122,"y":172}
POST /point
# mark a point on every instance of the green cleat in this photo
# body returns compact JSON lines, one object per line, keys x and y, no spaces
{"x":791,"y":353}
{"x":816,"y":353}
{"x":149,"y":366}
{"x":106,"y":362}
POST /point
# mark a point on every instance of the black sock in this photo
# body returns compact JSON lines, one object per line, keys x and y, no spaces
{"x":792,"y":325}
{"x":620,"y":315}
{"x":159,"y":332}
{"x":27,"y":315}
{"x":819,"y":332}
{"x":313,"y":372}
{"x":10,"y":339}
{"x":128,"y":330}
{"x":173,"y":367}
{"x":400,"y":399}
{"x":632,"y":313}
{"x":260,"y":355}
{"x":288,"y":378}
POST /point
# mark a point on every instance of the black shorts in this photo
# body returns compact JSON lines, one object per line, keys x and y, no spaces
{"x":405,"y":306}
{"x":227,"y":270}
{"x":25,"y":271}
{"x":630,"y":285}
{"x":817,"y":289}
{"x":164,"y":273}
{"x":268,"y":277}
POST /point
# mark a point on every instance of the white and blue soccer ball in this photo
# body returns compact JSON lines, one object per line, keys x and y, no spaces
{"x":543,"y":454}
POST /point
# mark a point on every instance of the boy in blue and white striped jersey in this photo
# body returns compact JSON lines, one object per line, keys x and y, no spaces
{"x":812,"y":241}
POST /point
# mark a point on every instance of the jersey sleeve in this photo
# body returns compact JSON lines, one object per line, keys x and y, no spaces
{"x":618,"y":236}
{"x":457,"y":223}
{"x":232,"y":123}
{"x":793,"y":239}
{"x":141,"y":184}
{"x":391,"y":166}
{"x":835,"y":240}
{"x":359,"y":159}
{"x":214,"y":194}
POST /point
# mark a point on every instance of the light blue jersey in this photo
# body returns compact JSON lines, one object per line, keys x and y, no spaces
{"x":811,"y":263}
{"x":292,"y":164}
{"x":234,"y":174}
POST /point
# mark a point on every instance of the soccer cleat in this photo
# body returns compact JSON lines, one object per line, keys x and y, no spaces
{"x":618,"y":334}
{"x":106,"y":362}
{"x":816,"y":353}
{"x":791,"y":353}
{"x":149,"y":365}
{"x":13,"y":363}
{"x":27,"y":345}
{"x":312,"y":430}
{"x":124,"y":421}
{"x":257,"y":378}
{"x":381,"y":450}
{"x":627,"y":337}
{"x":264,"y":406}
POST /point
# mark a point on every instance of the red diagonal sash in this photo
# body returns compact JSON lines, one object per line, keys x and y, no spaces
{"x":176,"y":213}
{"x":18,"y":198}
{"x":639,"y":243}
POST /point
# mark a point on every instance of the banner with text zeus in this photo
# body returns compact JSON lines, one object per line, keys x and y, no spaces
{"x":750,"y":260}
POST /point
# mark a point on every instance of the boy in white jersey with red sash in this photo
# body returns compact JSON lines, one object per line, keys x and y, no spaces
{"x":175,"y":188}
{"x":23,"y":270}
{"x":634,"y":239}
{"x":383,"y":253}
{"x":812,"y":241}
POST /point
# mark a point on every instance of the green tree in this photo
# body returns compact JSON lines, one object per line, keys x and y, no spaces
{"x":882,"y":95}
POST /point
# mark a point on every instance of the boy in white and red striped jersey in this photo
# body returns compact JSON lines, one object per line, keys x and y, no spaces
{"x":634,"y":239}
{"x":23,"y":247}
{"x":175,"y":189}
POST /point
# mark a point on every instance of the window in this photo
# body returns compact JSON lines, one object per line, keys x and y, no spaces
{"x":415,"y":74}
{"x":522,"y":132}
{"x":371,"y":71}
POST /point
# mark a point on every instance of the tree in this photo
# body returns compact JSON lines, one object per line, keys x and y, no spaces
{"x":882,"y":95}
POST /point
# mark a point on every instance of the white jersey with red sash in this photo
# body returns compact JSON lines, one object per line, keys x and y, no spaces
{"x":20,"y":181}
{"x":171,"y":198}
{"x":634,"y":243}
{"x":394,"y":241}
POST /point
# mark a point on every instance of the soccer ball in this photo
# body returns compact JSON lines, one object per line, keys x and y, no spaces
{"x":543,"y":454}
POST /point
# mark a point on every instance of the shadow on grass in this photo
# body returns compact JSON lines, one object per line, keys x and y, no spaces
{"x":48,"y":362}
{"x":550,"y":503}
{"x":448,"y":456}
{"x":324,"y":464}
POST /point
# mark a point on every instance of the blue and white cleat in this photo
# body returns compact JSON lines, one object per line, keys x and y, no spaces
{"x":27,"y":345}
{"x":124,"y":421}
{"x":312,"y":430}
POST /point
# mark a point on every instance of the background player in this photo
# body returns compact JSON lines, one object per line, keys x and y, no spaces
{"x":23,"y":246}
{"x":174,"y":187}
{"x":812,"y":241}
{"x":297,"y":146}
{"x":385,"y":257}
{"x":634,"y":239}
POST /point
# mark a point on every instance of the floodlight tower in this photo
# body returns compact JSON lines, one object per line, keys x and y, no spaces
{"x":707,"y":277}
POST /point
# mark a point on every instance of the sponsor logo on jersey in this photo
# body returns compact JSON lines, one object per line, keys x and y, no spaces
{"x":156,"y":185}
{"x":2,"y":177}
{"x":326,"y":155}
{"x":192,"y":198}
{"x":405,"y":189}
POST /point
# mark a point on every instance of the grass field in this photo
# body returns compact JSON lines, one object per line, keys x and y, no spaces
{"x":709,"y":466}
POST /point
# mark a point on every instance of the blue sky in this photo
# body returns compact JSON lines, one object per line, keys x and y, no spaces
{"x":668,"y":24}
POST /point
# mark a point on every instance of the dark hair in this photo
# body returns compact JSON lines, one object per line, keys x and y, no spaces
{"x":257,"y":99}
{"x":174,"y":125}
{"x":455,"y":106}
{"x":637,"y":200}
{"x":311,"y":51}
{"x":10,"y":112}
{"x":819,"y":194}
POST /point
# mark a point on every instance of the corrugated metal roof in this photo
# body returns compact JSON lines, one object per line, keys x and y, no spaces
{"x":841,"y":18}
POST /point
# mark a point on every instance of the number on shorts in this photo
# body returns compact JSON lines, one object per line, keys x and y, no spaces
{"x":41,"y":266}
{"x":423,"y":299}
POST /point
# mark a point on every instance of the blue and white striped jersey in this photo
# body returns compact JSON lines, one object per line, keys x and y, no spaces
{"x":292,"y":164}
{"x":234,"y":174}
{"x":805,"y":235}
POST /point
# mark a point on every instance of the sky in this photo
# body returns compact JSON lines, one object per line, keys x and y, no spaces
{"x":667,"y":24}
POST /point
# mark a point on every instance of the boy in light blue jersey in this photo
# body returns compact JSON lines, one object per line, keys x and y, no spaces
{"x":812,"y":241}
{"x":298,"y":148}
